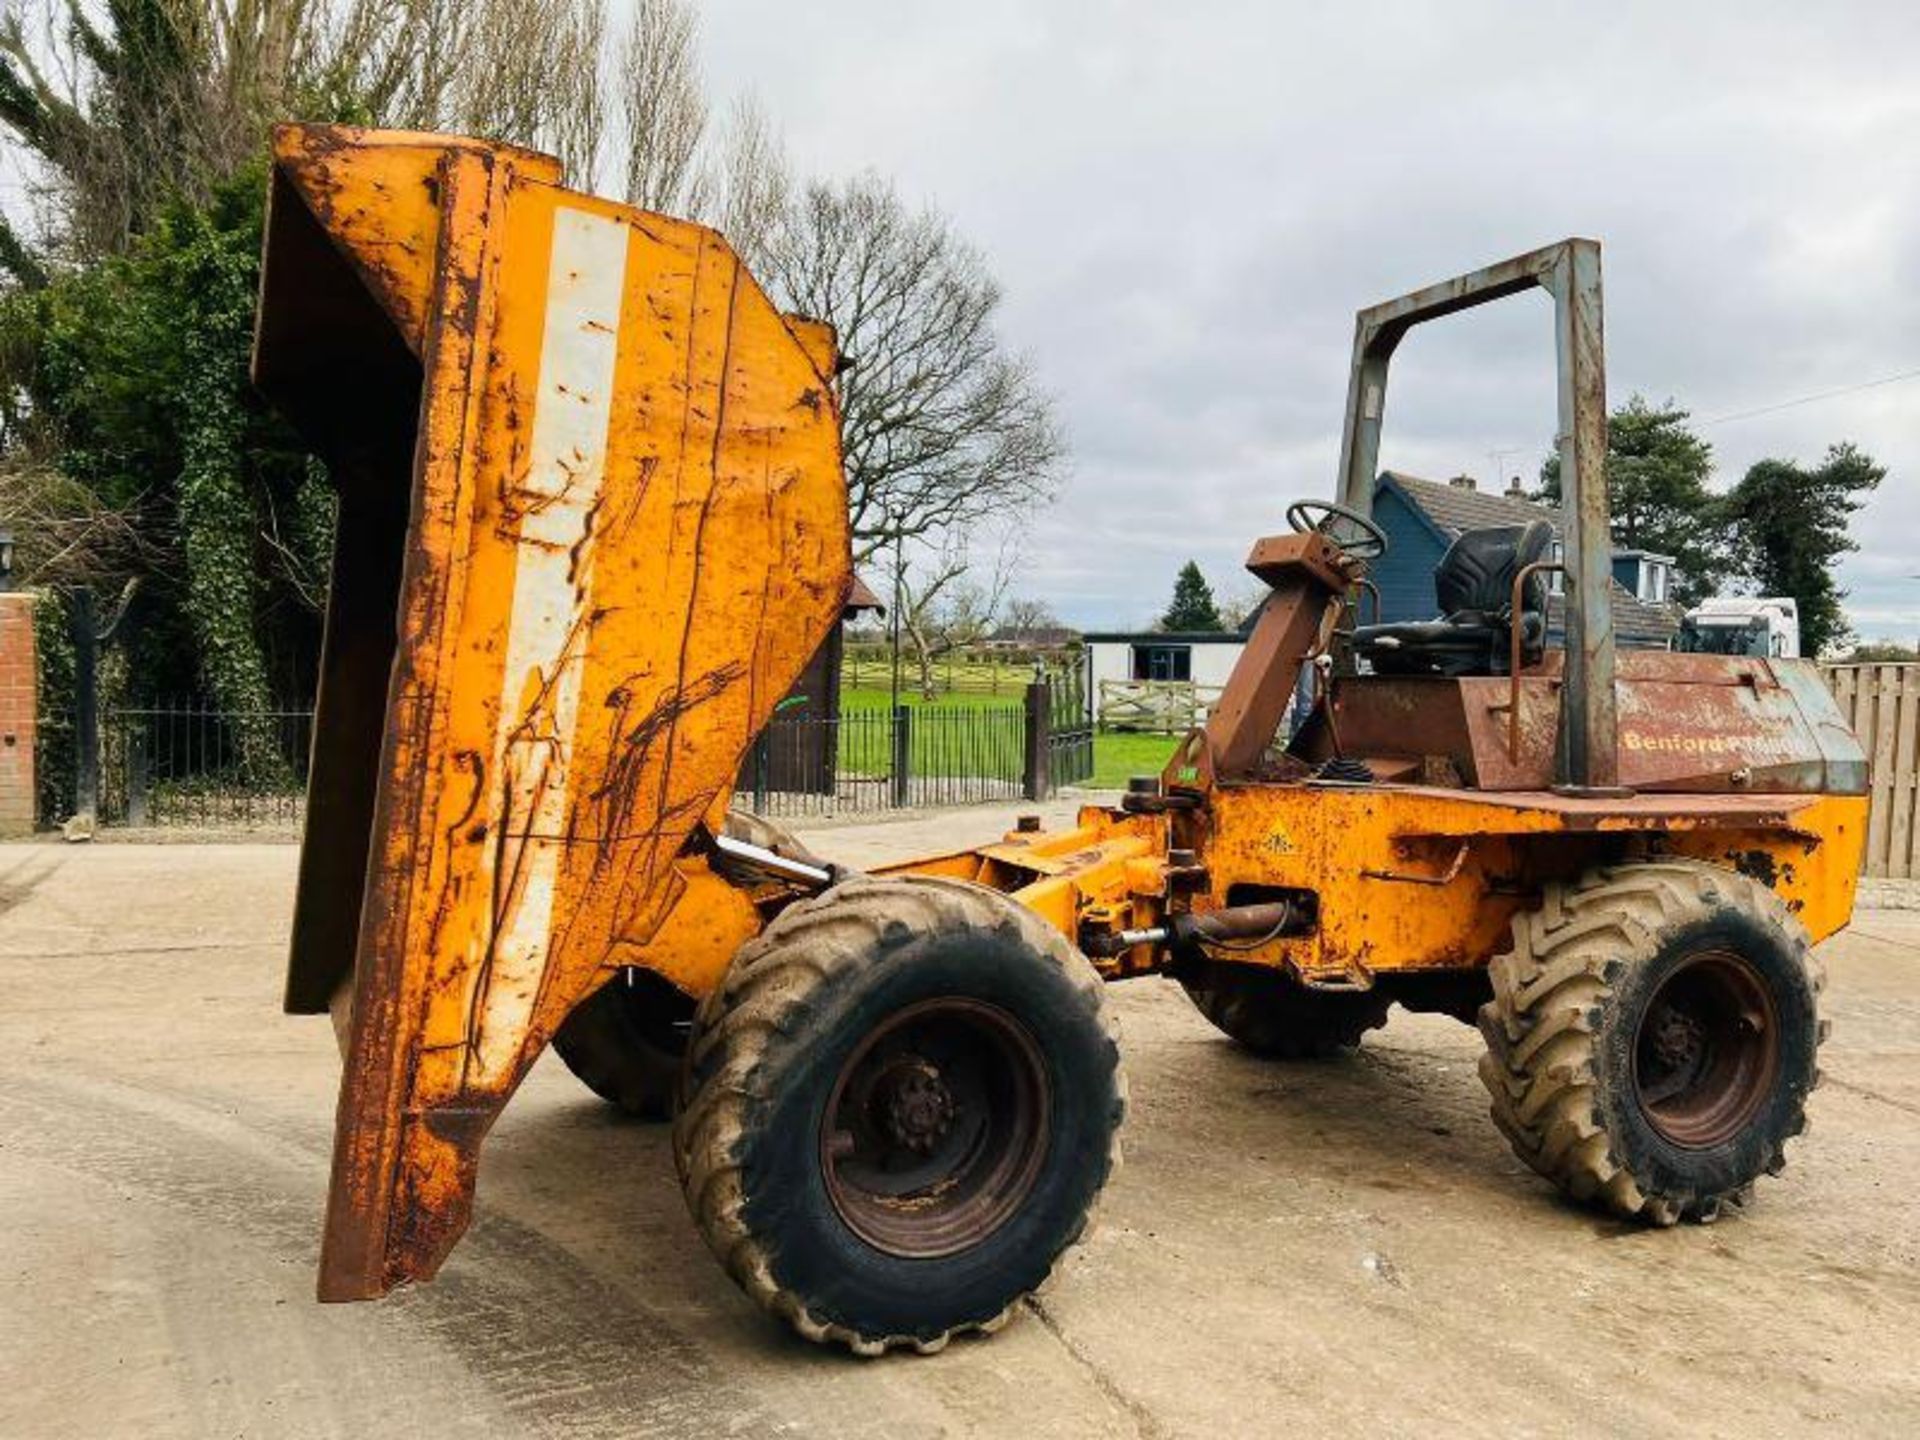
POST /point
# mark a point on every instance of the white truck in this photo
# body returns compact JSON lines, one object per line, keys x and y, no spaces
{"x":1742,"y":625}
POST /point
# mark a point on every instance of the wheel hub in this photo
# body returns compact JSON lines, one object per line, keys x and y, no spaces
{"x":917,"y":1106}
{"x":936,"y":1128}
{"x":1707,"y":1050}
{"x":1679,"y":1040}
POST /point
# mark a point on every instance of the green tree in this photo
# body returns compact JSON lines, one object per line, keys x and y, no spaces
{"x":1192,"y":607}
{"x":1657,"y":495}
{"x":1883,"y":652}
{"x":1793,"y":526}
{"x":137,"y":366}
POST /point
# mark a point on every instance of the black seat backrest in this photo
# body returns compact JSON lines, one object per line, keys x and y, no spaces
{"x":1476,"y":574}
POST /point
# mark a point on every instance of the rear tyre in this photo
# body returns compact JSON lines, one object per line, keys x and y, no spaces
{"x":1651,"y":1039}
{"x":1273,"y":1015}
{"x":902,"y":1103}
{"x":624,"y":1042}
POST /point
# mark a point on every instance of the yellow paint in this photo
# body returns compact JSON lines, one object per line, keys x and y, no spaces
{"x":629,"y":536}
{"x":1364,"y":852}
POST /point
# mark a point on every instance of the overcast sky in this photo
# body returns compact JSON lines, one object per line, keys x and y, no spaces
{"x":1187,"y":202}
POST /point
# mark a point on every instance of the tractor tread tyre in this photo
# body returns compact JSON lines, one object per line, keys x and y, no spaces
{"x":1561,"y":1026}
{"x":610,"y":1042}
{"x":612,"y":1049}
{"x":1274,"y":1016}
{"x":766,"y":1044}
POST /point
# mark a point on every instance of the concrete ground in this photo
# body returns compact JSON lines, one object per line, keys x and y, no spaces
{"x":1343,"y":1247}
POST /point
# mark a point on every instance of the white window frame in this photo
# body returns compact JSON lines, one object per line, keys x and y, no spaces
{"x":1653,"y":580}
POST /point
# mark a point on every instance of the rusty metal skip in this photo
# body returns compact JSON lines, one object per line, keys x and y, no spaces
{"x":592,"y":527}
{"x":612,"y":537}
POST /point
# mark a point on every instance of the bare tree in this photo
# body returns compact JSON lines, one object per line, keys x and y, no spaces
{"x":943,"y":428}
{"x":393,"y":61}
{"x":68,"y":534}
{"x":166,"y":101}
{"x":1025,"y":615}
{"x":751,"y":186}
{"x":531,"y":73}
{"x":943,"y":608}
{"x":175,"y":95}
{"x":664,"y":107}
{"x":1236,"y":605}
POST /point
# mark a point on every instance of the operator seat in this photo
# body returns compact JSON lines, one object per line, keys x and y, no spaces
{"x":1474,"y":585}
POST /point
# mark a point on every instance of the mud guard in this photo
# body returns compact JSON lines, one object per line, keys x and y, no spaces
{"x":592,"y":527}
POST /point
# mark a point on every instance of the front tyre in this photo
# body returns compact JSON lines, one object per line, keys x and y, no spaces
{"x":902,"y":1103}
{"x":1651,"y":1039}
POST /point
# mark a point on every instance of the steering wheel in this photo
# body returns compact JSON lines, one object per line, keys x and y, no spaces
{"x":1354,"y":533}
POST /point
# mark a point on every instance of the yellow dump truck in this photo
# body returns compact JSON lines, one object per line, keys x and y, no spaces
{"x":592,"y":525}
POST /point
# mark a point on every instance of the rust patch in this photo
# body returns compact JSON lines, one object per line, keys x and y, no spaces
{"x":1757,"y":865}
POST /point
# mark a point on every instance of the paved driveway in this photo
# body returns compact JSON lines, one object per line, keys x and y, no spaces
{"x":1344,"y":1247}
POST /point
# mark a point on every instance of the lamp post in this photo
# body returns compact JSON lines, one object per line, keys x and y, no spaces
{"x":6,"y":561}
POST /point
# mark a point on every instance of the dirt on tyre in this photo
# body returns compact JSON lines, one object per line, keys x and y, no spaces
{"x":1652,"y":1038}
{"x":1271,"y":1014}
{"x":901,"y":1105}
{"x":625,"y":1041}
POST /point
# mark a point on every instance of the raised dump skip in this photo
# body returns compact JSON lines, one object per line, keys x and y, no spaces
{"x":592,"y":526}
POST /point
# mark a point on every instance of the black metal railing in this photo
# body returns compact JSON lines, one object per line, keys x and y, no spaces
{"x":183,"y":763}
{"x":1069,"y":730}
{"x":869,"y":760}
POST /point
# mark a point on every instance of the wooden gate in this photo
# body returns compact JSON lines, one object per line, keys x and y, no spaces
{"x":1158,"y":707}
{"x":1882,"y":703}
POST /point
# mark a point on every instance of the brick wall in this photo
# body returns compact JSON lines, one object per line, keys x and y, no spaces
{"x":19,"y":681}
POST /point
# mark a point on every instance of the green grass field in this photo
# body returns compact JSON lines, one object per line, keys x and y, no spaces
{"x":869,"y":698}
{"x":960,"y":735}
{"x":1119,"y":755}
{"x":988,"y":744}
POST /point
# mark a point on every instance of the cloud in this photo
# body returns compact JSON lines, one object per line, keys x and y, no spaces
{"x":1186,"y":205}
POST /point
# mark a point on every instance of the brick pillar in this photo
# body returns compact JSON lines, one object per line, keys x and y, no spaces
{"x":19,"y":700}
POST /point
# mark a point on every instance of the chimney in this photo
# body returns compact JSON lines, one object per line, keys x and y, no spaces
{"x":1516,"y":490}
{"x":1463,"y":482}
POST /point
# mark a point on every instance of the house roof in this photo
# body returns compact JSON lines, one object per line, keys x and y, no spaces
{"x":1164,"y":637}
{"x":1633,"y":618}
{"x":859,"y":598}
{"x":1454,"y":509}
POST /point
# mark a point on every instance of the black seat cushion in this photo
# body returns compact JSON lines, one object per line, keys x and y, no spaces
{"x":1474,"y":585}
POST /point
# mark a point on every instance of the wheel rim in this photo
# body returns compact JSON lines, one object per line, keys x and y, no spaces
{"x":1707,"y":1050}
{"x":936,"y":1128}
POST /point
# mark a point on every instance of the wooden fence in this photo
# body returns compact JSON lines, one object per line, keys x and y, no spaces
{"x":1882,"y":703}
{"x":963,"y":673}
{"x":1158,"y":707}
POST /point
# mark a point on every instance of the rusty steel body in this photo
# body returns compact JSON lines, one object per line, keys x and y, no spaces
{"x":1570,"y":273}
{"x":1491,"y":786}
{"x":593,"y":525}
{"x":1405,"y":876}
{"x":691,"y":559}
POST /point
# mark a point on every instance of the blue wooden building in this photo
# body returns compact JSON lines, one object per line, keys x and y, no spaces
{"x":1423,"y":517}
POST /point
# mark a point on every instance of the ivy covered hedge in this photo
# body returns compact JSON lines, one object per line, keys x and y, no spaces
{"x":134,"y":376}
